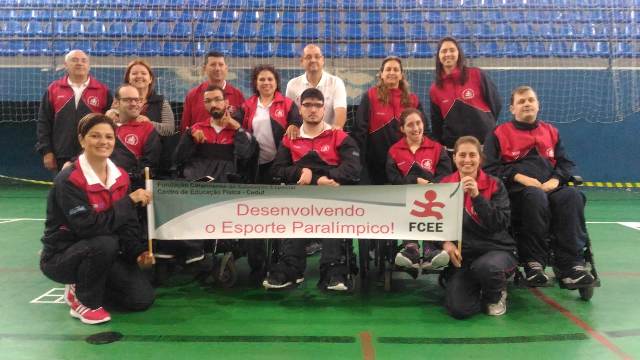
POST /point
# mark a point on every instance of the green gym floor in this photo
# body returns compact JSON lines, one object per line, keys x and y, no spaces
{"x":190,"y":321}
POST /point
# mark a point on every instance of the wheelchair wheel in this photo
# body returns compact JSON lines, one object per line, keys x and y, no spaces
{"x":228,"y":275}
{"x":586,"y":293}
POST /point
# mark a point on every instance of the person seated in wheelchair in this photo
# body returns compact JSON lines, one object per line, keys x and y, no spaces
{"x":138,"y":144}
{"x":324,"y":156}
{"x":416,"y":159}
{"x":529,"y":157}
{"x":480,"y":271}
{"x":211,"y":150}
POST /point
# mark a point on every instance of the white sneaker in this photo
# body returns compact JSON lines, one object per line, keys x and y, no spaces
{"x":499,"y":308}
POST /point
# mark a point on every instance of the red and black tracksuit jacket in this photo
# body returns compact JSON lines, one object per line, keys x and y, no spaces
{"x":377,"y":127}
{"x":194,"y":110}
{"x":77,"y":210}
{"x":534,"y":150}
{"x":332,"y":154}
{"x":58,"y":118}
{"x":464,"y":109}
{"x":430,"y":162}
{"x":216,"y":157}
{"x":283,"y":112}
{"x":486,"y":217}
{"x":137,"y":146}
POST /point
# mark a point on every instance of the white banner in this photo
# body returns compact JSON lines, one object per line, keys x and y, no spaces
{"x":194,"y":210}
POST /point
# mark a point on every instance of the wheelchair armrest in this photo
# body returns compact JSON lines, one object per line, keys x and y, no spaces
{"x":576,"y":180}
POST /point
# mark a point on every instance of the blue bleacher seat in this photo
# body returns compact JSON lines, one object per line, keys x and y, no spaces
{"x":310,"y":17}
{"x":566,"y":31}
{"x":267,"y":31}
{"x":239,"y":49}
{"x":416,"y":17}
{"x":203,"y":30}
{"x":558,"y":49}
{"x":374,"y":17}
{"x":12,"y":47}
{"x":514,"y":16}
{"x":250,"y":16}
{"x":351,"y":5}
{"x":310,"y":32}
{"x":453,"y":17}
{"x":12,"y":28}
{"x":418,"y":32}
{"x":503,"y":31}
{"x":422,"y":50}
{"x":246,"y":31}
{"x":96,"y":29}
{"x":596,"y":16}
{"x":523,"y":31}
{"x":546,"y":31}
{"x":623,"y":49}
{"x":399,"y":49}
{"x":229,"y":16}
{"x":374,"y":50}
{"x":470,"y":50}
{"x":168,"y":15}
{"x":173,"y":48}
{"x":74,"y":29}
{"x":64,"y":15}
{"x":189,"y":15}
{"x":139,"y":29}
{"x":117,"y":29}
{"x":273,"y":4}
{"x":353,"y":32}
{"x":353,"y":17}
{"x":160,"y":30}
{"x":370,"y":4}
{"x":262,"y":50}
{"x":622,"y":16}
{"x":219,"y":46}
{"x":513,"y":49}
{"x":333,"y":17}
{"x":271,"y":16}
{"x":535,"y":49}
{"x":149,"y":48}
{"x":389,"y":4}
{"x":37,"y":48}
{"x":484,"y":31}
{"x":333,"y":50}
{"x":103,"y":48}
{"x":61,"y":47}
{"x":287,"y":50}
{"x":440,"y":31}
{"x":375,"y":32}
{"x":601,"y":49}
{"x":490,"y":16}
{"x":433,"y":16}
{"x":354,"y":50}
{"x":181,"y":30}
{"x":225,"y":31}
{"x":621,"y":31}
{"x":396,"y":32}
{"x":34,"y":28}
{"x":289,"y":17}
{"x":332,"y":32}
{"x":461,"y":31}
{"x":489,"y":49}
{"x":396,"y":17}
{"x":106,"y":15}
{"x":210,"y":16}
{"x":43,"y":14}
{"x":289,"y":32}
{"x":291,"y":5}
{"x":580,"y":49}
{"x":84,"y":45}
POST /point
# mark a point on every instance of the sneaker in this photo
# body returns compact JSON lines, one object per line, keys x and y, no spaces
{"x":534,"y":274}
{"x":193,"y":257}
{"x":313,"y":247}
{"x":70,"y":294}
{"x":408,"y":257}
{"x":499,"y":308}
{"x":435,"y":259}
{"x":338,"y":283}
{"x":88,"y":315}
{"x":576,"y":277}
{"x":276,"y":280}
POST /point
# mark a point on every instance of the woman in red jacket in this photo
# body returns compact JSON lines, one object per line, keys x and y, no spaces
{"x":92,"y":237}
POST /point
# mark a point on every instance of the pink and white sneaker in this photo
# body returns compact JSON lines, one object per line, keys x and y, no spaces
{"x":70,"y":294}
{"x":88,"y":315}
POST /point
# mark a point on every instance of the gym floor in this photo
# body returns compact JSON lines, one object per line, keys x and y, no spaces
{"x":189,"y":320}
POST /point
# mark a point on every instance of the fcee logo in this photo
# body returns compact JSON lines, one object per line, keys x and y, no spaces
{"x":279,"y":113}
{"x":467,"y":94}
{"x":427,"y":164}
{"x":423,"y":209}
{"x":93,"y":101}
{"x":550,"y":153}
{"x":324,"y":148}
{"x":131,"y":139}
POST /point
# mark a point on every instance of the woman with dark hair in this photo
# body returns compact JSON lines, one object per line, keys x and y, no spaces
{"x":154,"y":106}
{"x":416,"y":159}
{"x":479,"y":274}
{"x":464,"y":100}
{"x":92,"y":237}
{"x":268,"y":115}
{"x":376,"y":127}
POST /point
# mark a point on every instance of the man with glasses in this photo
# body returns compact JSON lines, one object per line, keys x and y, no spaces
{"x":138,"y":144}
{"x":63,"y":104}
{"x":324,"y":156}
{"x":331,"y":86}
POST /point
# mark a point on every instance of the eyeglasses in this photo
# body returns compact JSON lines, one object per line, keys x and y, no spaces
{"x":316,"y":105}
{"x":131,"y":100}
{"x":214,"y":100}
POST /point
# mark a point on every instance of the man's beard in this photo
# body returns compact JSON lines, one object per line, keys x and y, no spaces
{"x":217,"y":114}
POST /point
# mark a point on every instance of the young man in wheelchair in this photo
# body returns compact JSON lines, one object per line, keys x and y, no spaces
{"x":529,"y":157}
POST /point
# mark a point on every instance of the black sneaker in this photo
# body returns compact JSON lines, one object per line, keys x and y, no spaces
{"x":338,"y":283}
{"x":534,"y":274}
{"x":408,"y":257}
{"x":276,"y":280}
{"x":576,"y":277}
{"x":313,"y":247}
{"x":434,"y":259}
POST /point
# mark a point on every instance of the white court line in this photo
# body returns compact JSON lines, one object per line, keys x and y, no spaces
{"x":53,"y":296}
{"x":633,"y":225}
{"x":9,"y":220}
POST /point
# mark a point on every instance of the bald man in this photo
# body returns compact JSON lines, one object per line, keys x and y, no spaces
{"x":64,"y":103}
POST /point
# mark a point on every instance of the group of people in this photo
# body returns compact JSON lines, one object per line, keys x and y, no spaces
{"x":517,"y":207}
